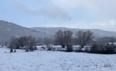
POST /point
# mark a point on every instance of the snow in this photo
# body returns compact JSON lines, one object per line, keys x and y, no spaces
{"x":55,"y":61}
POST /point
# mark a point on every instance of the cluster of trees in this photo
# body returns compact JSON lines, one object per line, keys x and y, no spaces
{"x":64,"y":38}
{"x":27,"y":42}
{"x":67,"y":39}
{"x":102,"y":45}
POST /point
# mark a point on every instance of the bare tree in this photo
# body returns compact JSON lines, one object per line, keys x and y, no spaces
{"x":28,"y":42}
{"x":84,"y":37}
{"x":13,"y":44}
{"x":68,"y":40}
{"x":67,"y":37}
{"x":31,"y":43}
{"x":59,"y":38}
{"x":48,"y":41}
{"x":64,"y":38}
{"x":22,"y":41}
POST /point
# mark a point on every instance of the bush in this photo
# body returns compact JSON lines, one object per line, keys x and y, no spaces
{"x":69,"y":48}
{"x":26,"y":42}
{"x":104,"y":49}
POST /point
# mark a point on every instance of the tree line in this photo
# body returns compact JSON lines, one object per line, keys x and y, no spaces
{"x":26,"y":42}
{"x":66,"y":39}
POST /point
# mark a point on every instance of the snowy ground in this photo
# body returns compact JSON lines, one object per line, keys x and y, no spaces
{"x":55,"y":61}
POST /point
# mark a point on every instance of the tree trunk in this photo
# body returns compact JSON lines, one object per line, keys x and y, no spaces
{"x":63,"y":46}
{"x":11,"y":50}
{"x":82,"y":46}
{"x":69,"y":48}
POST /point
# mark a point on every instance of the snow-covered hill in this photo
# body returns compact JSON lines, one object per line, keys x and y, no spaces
{"x":9,"y":30}
{"x":55,"y":61}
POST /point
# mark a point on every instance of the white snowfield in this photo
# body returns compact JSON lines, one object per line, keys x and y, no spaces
{"x":55,"y":61}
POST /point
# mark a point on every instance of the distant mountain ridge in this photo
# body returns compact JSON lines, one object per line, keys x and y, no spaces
{"x":50,"y":31}
{"x":8,"y":30}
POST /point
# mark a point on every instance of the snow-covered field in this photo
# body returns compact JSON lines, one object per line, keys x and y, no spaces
{"x":55,"y":61}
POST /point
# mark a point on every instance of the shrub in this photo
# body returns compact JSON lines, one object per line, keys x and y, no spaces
{"x":27,"y":42}
{"x":105,"y":49}
{"x":69,"y":48}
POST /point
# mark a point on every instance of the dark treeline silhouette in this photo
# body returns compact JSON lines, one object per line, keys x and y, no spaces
{"x":85,"y":40}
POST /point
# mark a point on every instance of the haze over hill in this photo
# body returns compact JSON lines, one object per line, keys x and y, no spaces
{"x":50,"y":31}
{"x":8,"y":30}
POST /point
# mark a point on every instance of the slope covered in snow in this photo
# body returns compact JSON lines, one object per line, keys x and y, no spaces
{"x":9,"y":30}
{"x":55,"y":61}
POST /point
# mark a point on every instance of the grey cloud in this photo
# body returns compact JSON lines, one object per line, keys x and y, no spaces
{"x":46,"y":11}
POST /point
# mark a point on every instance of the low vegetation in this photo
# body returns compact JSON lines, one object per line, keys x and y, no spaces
{"x":66,"y":39}
{"x":27,"y":42}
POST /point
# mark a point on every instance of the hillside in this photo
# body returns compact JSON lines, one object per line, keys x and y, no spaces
{"x":8,"y":29}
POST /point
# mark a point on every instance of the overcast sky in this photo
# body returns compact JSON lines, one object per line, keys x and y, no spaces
{"x":89,"y":14}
